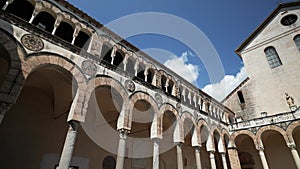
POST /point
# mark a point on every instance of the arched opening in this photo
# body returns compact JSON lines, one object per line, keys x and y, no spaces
{"x":141,"y":72}
{"x":106,"y":54}
{"x":187,"y":149}
{"x":276,"y":150}
{"x":150,"y":75}
{"x":44,"y":21}
{"x":163,"y":80}
{"x":4,"y":64}
{"x":166,"y":145}
{"x":141,"y":147}
{"x":296,"y":136}
{"x":65,"y":31}
{"x":100,"y":136}
{"x":35,"y":127}
{"x":205,"y":162}
{"x":118,"y":60}
{"x":82,"y":40}
{"x":130,"y":67}
{"x":218,"y":144}
{"x":21,"y":9}
{"x":248,"y":154}
{"x":226,"y":143}
{"x":170,"y":87}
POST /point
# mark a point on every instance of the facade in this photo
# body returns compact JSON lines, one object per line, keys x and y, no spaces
{"x":73,"y":94}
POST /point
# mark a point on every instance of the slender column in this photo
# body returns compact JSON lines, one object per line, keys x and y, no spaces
{"x":263,"y":158}
{"x":223,"y":155}
{"x":212,"y":160}
{"x":7,"y":3}
{"x":179,"y":156}
{"x":121,"y":149}
{"x":198,"y":157}
{"x":154,"y":79}
{"x":167,"y":85}
{"x":146,"y":74}
{"x":156,"y":153}
{"x":295,"y":154}
{"x":113,"y":54}
{"x":75,"y":33}
{"x":38,"y":7}
{"x":67,"y":151}
{"x":136,"y":68}
{"x":57,"y":22}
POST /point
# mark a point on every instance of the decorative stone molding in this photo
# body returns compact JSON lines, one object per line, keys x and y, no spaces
{"x":89,"y":67}
{"x":129,"y":85}
{"x":158,"y":98}
{"x":32,"y":42}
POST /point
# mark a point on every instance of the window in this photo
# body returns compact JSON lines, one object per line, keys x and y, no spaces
{"x":297,"y":41}
{"x":289,"y":20}
{"x":272,"y":57}
{"x":241,"y":97}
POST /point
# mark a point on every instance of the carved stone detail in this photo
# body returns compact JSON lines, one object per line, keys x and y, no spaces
{"x":178,"y":107}
{"x":89,"y":67}
{"x":129,"y":85}
{"x":32,"y":42}
{"x":158,"y":98}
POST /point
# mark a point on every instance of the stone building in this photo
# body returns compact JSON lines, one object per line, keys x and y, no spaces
{"x":73,"y":94}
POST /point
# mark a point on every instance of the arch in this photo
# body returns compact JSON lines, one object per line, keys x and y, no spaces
{"x":47,"y":59}
{"x":105,"y":54}
{"x":82,"y":40}
{"x":141,"y":71}
{"x":109,"y":162}
{"x":141,"y":96}
{"x":272,"y":57}
{"x":21,"y":9}
{"x":123,"y":120}
{"x":271,"y":127}
{"x":44,"y":20}
{"x":290,"y":129}
{"x":241,"y":132}
{"x":13,"y":79}
{"x":65,"y":31}
{"x":118,"y":59}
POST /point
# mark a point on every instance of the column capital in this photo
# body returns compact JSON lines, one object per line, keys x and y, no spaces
{"x":123,"y":133}
{"x":291,"y":145}
{"x":260,"y":148}
{"x":178,"y":143}
{"x":156,"y":139}
{"x":74,"y":124}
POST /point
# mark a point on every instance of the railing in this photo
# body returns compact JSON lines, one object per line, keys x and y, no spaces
{"x":268,"y":120}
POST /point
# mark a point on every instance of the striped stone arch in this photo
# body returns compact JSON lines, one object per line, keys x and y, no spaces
{"x":12,"y":84}
{"x":242,"y":132}
{"x":158,"y":121}
{"x":196,"y":141}
{"x":141,"y":96}
{"x":291,"y":129}
{"x":123,"y":120}
{"x":203,"y":123}
{"x":40,"y":60}
{"x":274,"y":128}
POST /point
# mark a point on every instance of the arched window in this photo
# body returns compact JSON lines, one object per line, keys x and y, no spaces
{"x":272,"y":57}
{"x":297,"y":41}
{"x":82,"y":40}
{"x":106,"y":53}
{"x":45,"y":21}
{"x":65,"y":31}
{"x":23,"y":9}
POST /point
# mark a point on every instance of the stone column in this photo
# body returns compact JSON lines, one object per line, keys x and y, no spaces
{"x":38,"y":7}
{"x":234,"y":158}
{"x":198,"y":157}
{"x":156,"y":153}
{"x":224,"y":162}
{"x":146,"y":74}
{"x":212,"y":160}
{"x":263,"y":158}
{"x":113,"y":54}
{"x":57,"y":22}
{"x":66,"y":155}
{"x":295,"y":154}
{"x":179,"y":156}
{"x":75,"y":33}
{"x":7,"y":3}
{"x":121,"y":149}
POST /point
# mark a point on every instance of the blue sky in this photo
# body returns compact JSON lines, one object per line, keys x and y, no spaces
{"x":226,"y":24}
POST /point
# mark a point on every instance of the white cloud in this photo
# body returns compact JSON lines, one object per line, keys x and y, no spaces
{"x":221,"y":89}
{"x":183,"y":68}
